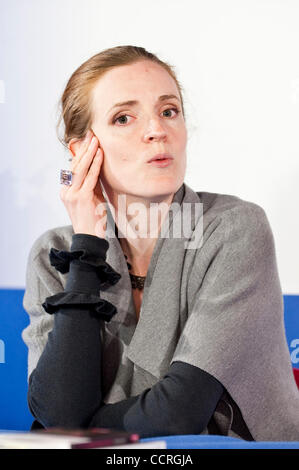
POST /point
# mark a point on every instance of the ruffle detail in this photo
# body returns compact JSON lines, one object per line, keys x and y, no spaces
{"x":100,"y":307}
{"x":61,"y":260}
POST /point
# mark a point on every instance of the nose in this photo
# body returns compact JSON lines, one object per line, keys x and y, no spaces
{"x":154,"y":131}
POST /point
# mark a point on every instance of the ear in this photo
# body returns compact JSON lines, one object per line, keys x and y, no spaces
{"x":74,"y":145}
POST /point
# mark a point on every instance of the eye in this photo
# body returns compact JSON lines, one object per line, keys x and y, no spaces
{"x":120,"y":117}
{"x":117,"y":119}
{"x":172,"y":109}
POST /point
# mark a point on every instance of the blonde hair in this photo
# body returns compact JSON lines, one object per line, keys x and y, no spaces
{"x":75,"y":102}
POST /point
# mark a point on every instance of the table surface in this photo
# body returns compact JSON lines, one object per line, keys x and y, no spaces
{"x":219,"y":442}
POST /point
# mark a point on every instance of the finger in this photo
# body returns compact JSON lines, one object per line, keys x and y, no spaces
{"x":83,"y":147}
{"x":86,"y":160}
{"x":92,"y":176}
{"x":63,"y":191}
{"x":82,"y":160}
{"x":85,"y":143}
{"x":81,"y":170}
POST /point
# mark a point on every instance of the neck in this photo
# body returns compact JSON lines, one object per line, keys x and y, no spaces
{"x":138,"y":233}
{"x":139,"y":257}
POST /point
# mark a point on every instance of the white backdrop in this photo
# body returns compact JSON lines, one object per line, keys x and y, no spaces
{"x":238,"y":63}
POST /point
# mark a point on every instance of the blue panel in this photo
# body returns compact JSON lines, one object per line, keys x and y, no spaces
{"x":291,"y":320}
{"x":14,"y":413}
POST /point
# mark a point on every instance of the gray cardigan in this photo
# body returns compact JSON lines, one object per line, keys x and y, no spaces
{"x":212,"y":298}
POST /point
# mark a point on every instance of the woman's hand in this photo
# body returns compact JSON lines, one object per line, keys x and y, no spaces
{"x":83,"y":198}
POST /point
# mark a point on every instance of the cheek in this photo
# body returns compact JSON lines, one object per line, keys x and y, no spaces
{"x":114,"y":152}
{"x":124,"y":158}
{"x":117,"y":150}
{"x":180,"y":136}
{"x":184,"y":135}
{"x":182,"y":148}
{"x":115,"y":162}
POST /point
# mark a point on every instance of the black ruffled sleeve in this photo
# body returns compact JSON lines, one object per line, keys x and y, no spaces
{"x":88,"y":274}
{"x":65,"y":387}
{"x":70,"y":300}
{"x":61,"y":259}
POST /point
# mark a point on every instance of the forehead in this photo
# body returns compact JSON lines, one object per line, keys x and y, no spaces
{"x":143,"y":79}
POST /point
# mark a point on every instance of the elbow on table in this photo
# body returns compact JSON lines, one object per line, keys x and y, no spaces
{"x":51,"y":410}
{"x":57,"y":416}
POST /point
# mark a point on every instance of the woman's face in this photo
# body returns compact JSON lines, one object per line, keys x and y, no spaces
{"x":131,"y":134}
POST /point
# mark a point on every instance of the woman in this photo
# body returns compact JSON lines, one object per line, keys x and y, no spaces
{"x":153,"y":334}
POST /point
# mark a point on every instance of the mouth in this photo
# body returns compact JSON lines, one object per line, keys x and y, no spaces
{"x":161,"y":160}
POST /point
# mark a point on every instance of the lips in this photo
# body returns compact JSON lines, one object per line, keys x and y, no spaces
{"x":161,"y":156}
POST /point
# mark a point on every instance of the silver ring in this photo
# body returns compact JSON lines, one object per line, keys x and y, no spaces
{"x":66,"y":177}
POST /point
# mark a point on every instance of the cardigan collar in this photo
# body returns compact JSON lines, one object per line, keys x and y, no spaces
{"x":150,"y":341}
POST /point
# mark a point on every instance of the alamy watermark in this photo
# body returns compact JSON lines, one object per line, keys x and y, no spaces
{"x":138,"y":220}
{"x":295,"y":352}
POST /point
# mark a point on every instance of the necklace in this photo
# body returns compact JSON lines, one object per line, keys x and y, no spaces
{"x":137,"y":282}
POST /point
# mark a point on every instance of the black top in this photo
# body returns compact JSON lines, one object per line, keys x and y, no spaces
{"x":65,"y":387}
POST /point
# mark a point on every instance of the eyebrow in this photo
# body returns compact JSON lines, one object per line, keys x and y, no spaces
{"x":134,"y":102}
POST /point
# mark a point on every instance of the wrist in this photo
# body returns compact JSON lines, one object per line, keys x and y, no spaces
{"x":91,"y":244}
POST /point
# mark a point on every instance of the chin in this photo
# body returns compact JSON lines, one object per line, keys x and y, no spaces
{"x":160,"y":189}
{"x":154,"y":188}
